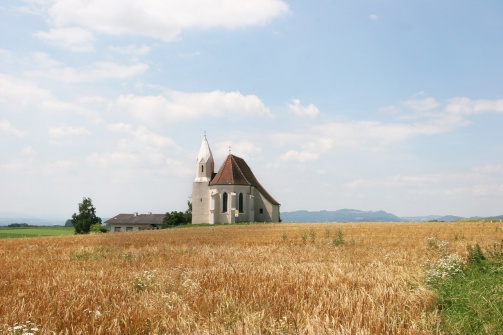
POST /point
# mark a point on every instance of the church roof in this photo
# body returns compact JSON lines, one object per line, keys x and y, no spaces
{"x":235,"y":171}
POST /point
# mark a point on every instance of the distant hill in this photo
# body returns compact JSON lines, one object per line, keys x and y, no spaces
{"x":341,"y":215}
{"x":450,"y":218}
{"x":354,"y":215}
{"x":445,"y":218}
{"x":421,"y":218}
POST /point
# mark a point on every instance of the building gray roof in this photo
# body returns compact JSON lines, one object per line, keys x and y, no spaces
{"x":145,"y":219}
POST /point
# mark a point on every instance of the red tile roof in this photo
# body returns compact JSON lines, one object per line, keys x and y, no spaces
{"x":235,"y":171}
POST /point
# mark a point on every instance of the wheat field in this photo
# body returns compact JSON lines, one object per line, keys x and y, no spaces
{"x":355,"y":278}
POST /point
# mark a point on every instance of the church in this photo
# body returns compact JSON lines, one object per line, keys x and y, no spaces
{"x":233,"y":194}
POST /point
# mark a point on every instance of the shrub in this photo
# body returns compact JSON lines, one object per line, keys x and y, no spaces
{"x":475,"y":255}
{"x":328,"y":232}
{"x":339,"y":240}
{"x":312,"y":234}
{"x":285,"y":237}
{"x":304,"y":237}
{"x":97,"y":228}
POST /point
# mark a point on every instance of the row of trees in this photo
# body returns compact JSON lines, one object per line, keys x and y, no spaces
{"x":178,"y":218}
{"x":86,"y":221}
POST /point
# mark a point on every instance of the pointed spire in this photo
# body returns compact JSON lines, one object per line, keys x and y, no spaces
{"x":205,"y":154}
{"x":205,"y":164}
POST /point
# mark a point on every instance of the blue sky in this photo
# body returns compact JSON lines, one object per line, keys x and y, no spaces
{"x":371,"y":105}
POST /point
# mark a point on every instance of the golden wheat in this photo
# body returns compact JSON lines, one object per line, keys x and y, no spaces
{"x":252,"y":279}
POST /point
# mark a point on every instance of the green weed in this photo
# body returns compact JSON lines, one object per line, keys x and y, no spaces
{"x":339,"y":240}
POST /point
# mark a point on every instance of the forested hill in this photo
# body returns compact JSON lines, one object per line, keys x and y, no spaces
{"x":354,"y":215}
{"x":341,"y":215}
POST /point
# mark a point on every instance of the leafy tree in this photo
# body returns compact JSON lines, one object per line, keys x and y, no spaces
{"x":178,"y":218}
{"x":173,"y":219}
{"x":68,"y":223}
{"x":188,"y":212}
{"x":83,"y":221}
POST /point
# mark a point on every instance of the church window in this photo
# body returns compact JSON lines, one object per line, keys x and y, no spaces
{"x":224,"y":202}
{"x":202,"y":168}
{"x":261,"y":211}
{"x":241,"y":203}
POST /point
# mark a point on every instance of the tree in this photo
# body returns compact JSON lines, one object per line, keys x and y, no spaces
{"x":178,"y":218}
{"x":83,"y":221}
{"x":174,"y":219}
{"x":188,"y":212}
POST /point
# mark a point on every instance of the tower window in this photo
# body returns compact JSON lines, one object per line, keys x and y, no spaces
{"x":261,"y":211}
{"x":202,"y":168}
{"x":224,"y":202}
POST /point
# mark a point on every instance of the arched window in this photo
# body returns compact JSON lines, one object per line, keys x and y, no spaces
{"x":224,"y":202}
{"x":202,"y":168}
{"x":241,"y":203}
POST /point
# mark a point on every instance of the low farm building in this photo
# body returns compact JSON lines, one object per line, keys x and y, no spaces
{"x":131,"y":222}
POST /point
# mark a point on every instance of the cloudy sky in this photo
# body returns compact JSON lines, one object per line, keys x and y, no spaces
{"x":373,"y":105}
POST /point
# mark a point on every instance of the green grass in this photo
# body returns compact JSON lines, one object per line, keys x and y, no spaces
{"x":473,"y":303}
{"x":7,"y":232}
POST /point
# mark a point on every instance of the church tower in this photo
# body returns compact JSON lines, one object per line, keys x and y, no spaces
{"x":205,"y":168}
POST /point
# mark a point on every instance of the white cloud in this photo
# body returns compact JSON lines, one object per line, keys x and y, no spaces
{"x":54,"y":70}
{"x":28,"y":166}
{"x":300,"y":156}
{"x":176,"y":106}
{"x":422,"y":105}
{"x":65,"y":135}
{"x":308,"y":145}
{"x":373,"y":17}
{"x":309,"y":110}
{"x":121,"y":128}
{"x":139,"y":152}
{"x":430,"y":117}
{"x":68,"y":131}
{"x":4,"y":53}
{"x":17,"y":95}
{"x":163,"y":20}
{"x":7,"y":128}
{"x":245,"y":149}
{"x":479,"y":181}
{"x":28,"y":151}
{"x":71,"y":38}
{"x":466,"y":106}
{"x":132,"y":50}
